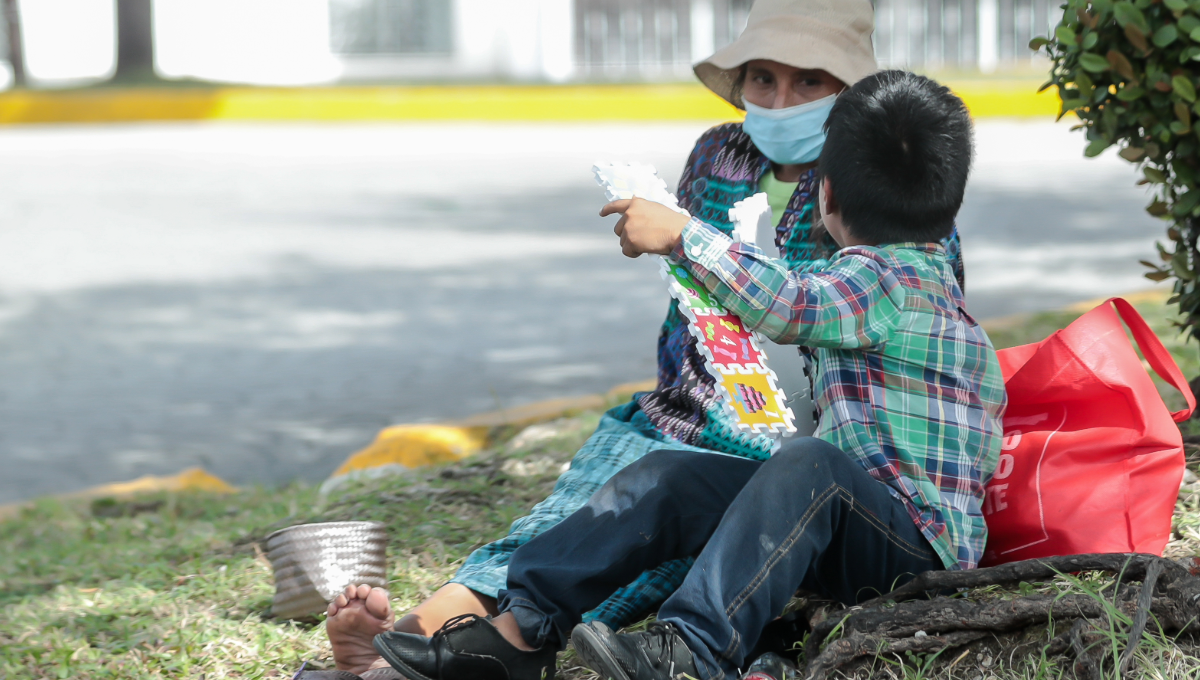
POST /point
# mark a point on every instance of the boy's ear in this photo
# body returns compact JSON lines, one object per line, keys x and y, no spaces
{"x":829,"y":204}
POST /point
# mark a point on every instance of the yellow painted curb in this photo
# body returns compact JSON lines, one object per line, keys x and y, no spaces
{"x":441,"y":103}
{"x":1016,"y":98}
{"x":413,"y":446}
{"x":1160,"y":294}
{"x":404,"y":447}
{"x":192,"y":479}
{"x":643,"y":102}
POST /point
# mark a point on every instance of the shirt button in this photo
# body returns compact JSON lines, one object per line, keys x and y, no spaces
{"x":696,"y":250}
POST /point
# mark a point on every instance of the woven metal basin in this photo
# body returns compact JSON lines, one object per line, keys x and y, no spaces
{"x":315,"y":562}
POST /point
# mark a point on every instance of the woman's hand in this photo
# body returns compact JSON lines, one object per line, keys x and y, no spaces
{"x":646,"y":226}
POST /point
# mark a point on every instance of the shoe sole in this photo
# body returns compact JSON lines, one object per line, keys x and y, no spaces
{"x":396,"y":663}
{"x":593,"y":651}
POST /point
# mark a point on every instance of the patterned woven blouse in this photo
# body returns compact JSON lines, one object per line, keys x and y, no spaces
{"x":724,"y":168}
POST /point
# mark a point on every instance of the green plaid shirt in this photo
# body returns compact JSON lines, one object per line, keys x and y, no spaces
{"x":907,"y":382}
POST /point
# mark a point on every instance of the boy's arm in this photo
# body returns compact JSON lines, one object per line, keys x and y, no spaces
{"x":850,"y":304}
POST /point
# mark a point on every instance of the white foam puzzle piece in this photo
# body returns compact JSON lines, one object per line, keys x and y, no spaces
{"x":627,"y":180}
{"x":751,"y":217}
{"x":776,"y":419}
{"x":780,"y":418}
{"x":759,"y":398}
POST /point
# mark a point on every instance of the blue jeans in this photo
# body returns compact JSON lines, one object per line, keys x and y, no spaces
{"x":810,"y":517}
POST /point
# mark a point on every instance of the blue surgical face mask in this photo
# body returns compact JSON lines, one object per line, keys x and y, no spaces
{"x":789,"y":136}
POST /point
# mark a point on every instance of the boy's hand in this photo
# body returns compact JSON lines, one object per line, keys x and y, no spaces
{"x":646,"y":226}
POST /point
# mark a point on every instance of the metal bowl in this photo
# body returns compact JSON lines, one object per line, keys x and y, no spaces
{"x":315,"y":562}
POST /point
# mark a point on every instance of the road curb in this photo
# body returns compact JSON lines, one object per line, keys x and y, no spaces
{"x":400,"y":448}
{"x":192,"y":479}
{"x":985,"y":98}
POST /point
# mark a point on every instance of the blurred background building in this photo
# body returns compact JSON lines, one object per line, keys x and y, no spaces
{"x":295,"y":42}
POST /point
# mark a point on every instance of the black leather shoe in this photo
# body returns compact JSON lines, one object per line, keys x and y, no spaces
{"x":468,"y":647}
{"x":657,"y":654}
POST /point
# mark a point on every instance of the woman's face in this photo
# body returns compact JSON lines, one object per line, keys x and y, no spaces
{"x":773,"y":85}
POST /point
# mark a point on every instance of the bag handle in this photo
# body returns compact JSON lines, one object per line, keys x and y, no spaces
{"x":1156,"y":355}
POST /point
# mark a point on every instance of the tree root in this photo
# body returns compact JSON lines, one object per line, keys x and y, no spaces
{"x":1132,"y":566}
{"x":1144,"y":603}
{"x":857,"y":645}
{"x":1087,"y":665}
{"x":896,"y":623}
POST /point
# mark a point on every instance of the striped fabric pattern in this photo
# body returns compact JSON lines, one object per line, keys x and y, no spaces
{"x":907,"y":382}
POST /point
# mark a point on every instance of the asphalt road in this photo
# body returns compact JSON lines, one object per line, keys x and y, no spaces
{"x":260,"y":300}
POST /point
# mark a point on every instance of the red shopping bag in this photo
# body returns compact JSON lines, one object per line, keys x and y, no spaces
{"x":1091,"y":460}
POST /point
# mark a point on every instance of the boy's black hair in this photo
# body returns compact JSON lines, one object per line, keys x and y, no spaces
{"x":897,"y":152}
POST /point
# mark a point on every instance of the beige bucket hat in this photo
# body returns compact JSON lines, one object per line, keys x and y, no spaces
{"x":832,"y":35}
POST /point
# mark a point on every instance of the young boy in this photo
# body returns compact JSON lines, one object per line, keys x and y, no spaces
{"x":910,"y":395}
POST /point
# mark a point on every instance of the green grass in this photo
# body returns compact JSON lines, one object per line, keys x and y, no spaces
{"x":155,"y":595}
{"x":181,"y":589}
{"x":184,"y":591}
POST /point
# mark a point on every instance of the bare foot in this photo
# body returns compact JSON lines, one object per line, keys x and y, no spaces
{"x":356,"y":616}
{"x":361,"y":612}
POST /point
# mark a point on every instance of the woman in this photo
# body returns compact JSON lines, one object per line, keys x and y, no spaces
{"x":785,"y":70}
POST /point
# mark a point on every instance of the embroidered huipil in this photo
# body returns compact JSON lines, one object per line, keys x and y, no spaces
{"x":724,"y":168}
{"x":907,"y":382}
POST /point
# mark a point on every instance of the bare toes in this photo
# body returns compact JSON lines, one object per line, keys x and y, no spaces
{"x":363,"y":591}
{"x":350,"y":592}
{"x":378,"y":604}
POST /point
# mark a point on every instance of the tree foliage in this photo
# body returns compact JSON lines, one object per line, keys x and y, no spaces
{"x":1131,"y":71}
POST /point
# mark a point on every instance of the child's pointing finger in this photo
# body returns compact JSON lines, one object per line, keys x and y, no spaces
{"x":618,"y":206}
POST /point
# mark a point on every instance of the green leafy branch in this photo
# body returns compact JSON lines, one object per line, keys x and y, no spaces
{"x":1128,"y":70}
